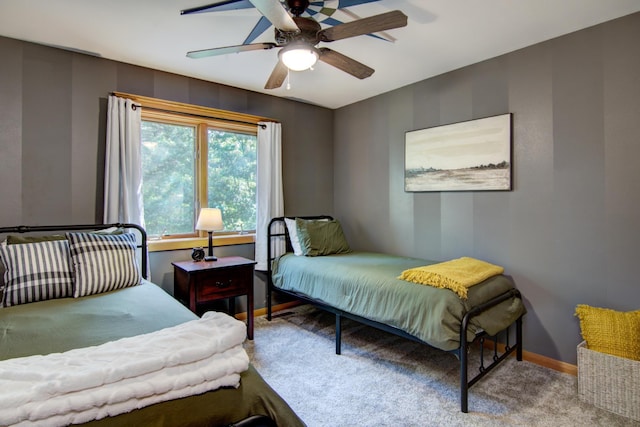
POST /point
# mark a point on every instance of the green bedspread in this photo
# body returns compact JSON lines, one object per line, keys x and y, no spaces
{"x":62,"y":324}
{"x":366,"y":284}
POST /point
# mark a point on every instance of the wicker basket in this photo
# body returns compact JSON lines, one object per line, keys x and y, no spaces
{"x":609,"y":382}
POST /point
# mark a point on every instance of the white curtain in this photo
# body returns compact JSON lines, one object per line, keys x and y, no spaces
{"x":123,"y":163}
{"x":270,"y":201}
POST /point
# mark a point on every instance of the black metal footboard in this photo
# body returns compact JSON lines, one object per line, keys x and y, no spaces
{"x":463,"y":351}
{"x":497,"y":353}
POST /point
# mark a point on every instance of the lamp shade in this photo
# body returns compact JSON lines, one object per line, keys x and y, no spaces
{"x":210,"y":219}
{"x":298,"y":56}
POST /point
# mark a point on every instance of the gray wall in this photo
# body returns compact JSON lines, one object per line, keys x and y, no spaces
{"x":568,"y":233}
{"x":52,"y":138}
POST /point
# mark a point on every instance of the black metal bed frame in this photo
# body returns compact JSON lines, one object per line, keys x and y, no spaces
{"x":81,"y":227}
{"x":251,"y":421}
{"x":461,"y":352}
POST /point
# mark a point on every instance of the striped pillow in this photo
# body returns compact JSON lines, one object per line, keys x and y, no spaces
{"x":103,"y":263}
{"x":36,"y":272}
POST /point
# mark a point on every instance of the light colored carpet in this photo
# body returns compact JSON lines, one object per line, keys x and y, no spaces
{"x":383,"y":380}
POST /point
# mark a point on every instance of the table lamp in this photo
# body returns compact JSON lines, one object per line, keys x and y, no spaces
{"x":210,"y":220}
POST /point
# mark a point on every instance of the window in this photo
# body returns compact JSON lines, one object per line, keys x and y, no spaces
{"x":197,"y":157}
{"x":168,"y":178}
{"x":231,"y":177}
{"x":193,"y":163}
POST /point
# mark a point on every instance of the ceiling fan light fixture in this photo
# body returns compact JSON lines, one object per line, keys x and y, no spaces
{"x":299,"y":56}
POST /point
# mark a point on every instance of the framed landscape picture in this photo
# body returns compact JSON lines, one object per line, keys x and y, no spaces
{"x":467,"y":156}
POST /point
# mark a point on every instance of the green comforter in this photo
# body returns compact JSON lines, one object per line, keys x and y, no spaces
{"x":366,"y":284}
{"x":62,"y":324}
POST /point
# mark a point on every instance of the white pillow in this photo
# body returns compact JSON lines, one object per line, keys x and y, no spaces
{"x":293,"y":235}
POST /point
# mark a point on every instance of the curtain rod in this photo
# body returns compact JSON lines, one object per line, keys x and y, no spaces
{"x":134,"y":106}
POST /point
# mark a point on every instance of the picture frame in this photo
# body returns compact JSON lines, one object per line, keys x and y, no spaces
{"x":473,"y":155}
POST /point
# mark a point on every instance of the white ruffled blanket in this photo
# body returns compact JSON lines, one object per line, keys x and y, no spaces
{"x":116,"y":377}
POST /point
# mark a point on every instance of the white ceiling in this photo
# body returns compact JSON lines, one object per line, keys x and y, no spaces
{"x":441,"y":35}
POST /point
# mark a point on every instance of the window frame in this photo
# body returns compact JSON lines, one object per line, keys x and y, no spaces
{"x":203,"y":118}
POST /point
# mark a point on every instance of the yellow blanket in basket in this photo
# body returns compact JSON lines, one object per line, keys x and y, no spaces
{"x":457,"y":275}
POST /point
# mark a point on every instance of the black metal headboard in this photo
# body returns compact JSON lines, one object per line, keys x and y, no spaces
{"x":274,"y":233}
{"x":53,"y":228}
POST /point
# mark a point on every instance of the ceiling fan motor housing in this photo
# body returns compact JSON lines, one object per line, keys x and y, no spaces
{"x":308,"y":32}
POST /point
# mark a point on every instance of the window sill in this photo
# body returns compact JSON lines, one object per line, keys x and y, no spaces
{"x":194,"y":242}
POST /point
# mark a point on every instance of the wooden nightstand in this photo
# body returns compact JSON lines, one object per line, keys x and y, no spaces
{"x":228,"y":277}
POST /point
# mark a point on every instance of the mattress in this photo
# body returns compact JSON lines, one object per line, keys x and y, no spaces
{"x":63,"y":324}
{"x":366,"y":284}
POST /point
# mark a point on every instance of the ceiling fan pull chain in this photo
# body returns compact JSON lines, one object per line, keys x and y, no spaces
{"x":288,"y":81}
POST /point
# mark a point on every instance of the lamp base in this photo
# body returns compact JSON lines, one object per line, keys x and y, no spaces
{"x":210,"y":256}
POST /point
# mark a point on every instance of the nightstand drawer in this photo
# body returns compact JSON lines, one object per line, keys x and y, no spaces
{"x":220,"y":283}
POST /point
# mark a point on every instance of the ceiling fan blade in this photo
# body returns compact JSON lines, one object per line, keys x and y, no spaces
{"x":372,"y":24}
{"x":219,"y":7}
{"x":277,"y":76}
{"x":276,"y":14}
{"x":348,"y":3}
{"x":229,"y":49}
{"x":344,"y":63}
{"x":262,"y":26}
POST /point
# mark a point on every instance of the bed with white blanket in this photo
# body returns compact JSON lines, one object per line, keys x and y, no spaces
{"x":445,"y":305}
{"x":117,"y":355}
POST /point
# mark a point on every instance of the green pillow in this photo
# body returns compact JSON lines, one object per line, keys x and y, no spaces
{"x":321,"y":237}
{"x":13,"y":239}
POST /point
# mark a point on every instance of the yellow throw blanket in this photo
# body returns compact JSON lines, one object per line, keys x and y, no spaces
{"x":457,"y":275}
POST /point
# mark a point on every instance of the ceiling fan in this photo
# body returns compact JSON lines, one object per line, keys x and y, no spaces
{"x":298,"y":37}
{"x":320,"y":10}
